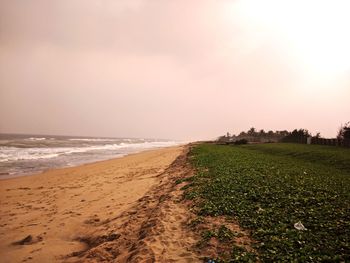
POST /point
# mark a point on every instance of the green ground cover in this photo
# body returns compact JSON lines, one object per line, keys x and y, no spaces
{"x":270,"y":187}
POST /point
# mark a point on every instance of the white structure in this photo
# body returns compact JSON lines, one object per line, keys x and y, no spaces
{"x":308,"y":140}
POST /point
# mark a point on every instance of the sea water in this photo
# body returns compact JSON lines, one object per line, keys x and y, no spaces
{"x":29,"y":154}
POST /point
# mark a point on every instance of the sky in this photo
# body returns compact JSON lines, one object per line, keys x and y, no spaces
{"x":183,"y":69}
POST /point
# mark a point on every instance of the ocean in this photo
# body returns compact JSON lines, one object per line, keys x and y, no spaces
{"x":30,"y":154}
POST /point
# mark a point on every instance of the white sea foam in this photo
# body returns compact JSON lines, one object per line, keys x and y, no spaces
{"x":11,"y":154}
{"x":94,"y":140}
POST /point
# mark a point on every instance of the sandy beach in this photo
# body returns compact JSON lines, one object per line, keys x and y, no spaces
{"x":120,"y":210}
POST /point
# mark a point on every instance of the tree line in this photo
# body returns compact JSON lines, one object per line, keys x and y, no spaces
{"x":296,"y":135}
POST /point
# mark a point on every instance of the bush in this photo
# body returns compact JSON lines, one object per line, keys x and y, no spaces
{"x":241,"y":141}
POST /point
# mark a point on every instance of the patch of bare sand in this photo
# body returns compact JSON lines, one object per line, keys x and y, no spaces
{"x":155,"y":229}
{"x":122,"y":210}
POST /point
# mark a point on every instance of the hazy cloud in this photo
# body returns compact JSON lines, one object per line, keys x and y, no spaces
{"x":171,"y":69}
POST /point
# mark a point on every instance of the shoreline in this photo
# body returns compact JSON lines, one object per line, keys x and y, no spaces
{"x":63,"y":214}
{"x":14,"y":176}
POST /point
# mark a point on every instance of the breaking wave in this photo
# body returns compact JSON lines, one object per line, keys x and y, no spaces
{"x":10,"y":154}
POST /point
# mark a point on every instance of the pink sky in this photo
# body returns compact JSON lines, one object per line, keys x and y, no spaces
{"x":172,"y":69}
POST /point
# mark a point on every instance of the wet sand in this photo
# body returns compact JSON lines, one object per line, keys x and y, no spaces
{"x":121,"y":210}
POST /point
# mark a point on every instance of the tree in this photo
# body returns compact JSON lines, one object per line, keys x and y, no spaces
{"x":297,"y":136}
{"x":242,"y":134}
{"x":344,"y":131}
{"x":251,"y":131}
{"x":270,"y":133}
{"x":284,"y":133}
{"x":318,"y":135}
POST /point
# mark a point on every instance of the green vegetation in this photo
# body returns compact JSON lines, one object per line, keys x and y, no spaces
{"x":344,"y":131}
{"x":269,"y":188}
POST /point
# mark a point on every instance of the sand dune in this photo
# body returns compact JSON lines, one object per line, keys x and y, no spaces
{"x":122,"y":210}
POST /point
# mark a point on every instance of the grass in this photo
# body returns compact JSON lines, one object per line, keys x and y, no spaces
{"x":270,"y":187}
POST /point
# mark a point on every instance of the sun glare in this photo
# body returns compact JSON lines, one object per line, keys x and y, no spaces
{"x":316,"y":32}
